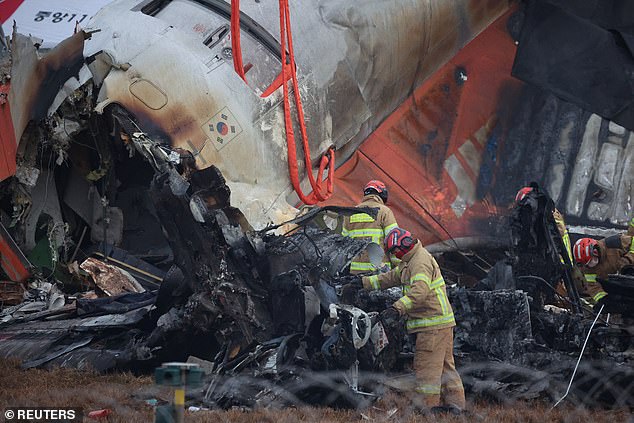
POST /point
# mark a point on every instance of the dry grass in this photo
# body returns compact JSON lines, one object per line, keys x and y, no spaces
{"x":485,"y":413}
{"x":125,"y":395}
{"x":123,"y":392}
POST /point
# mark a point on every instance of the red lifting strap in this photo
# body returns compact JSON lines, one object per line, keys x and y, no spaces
{"x":322,"y":189}
{"x":235,"y":39}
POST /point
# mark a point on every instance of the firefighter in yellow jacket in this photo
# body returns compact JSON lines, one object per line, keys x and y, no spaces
{"x":364,"y":226}
{"x":598,"y":259}
{"x":429,"y":316}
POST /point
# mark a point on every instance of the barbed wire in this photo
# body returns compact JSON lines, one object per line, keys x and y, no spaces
{"x":598,"y":384}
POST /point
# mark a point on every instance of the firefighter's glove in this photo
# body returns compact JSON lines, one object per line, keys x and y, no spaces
{"x":602,"y":302}
{"x":627,"y":270}
{"x":352,"y":281}
{"x":390,"y":316}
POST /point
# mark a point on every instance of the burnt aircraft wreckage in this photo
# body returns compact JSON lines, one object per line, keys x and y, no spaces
{"x":267,"y":310}
{"x":149,"y":218}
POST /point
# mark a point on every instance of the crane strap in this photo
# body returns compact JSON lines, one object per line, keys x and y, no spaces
{"x":322,"y":188}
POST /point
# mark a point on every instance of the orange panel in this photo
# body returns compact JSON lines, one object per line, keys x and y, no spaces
{"x":8,"y":8}
{"x":12,"y":261}
{"x":8,"y":144}
{"x":436,"y":151}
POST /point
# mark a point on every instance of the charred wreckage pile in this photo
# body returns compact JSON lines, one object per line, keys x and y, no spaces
{"x":119,"y":254}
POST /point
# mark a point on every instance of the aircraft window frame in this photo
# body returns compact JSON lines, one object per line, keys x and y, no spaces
{"x":222,"y":8}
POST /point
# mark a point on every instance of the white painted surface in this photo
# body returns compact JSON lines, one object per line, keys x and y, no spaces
{"x":52,"y":21}
{"x":584,"y":167}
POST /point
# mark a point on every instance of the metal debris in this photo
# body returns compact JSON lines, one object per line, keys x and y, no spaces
{"x":110,"y":279}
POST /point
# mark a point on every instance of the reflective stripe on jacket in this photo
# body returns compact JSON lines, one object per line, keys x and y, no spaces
{"x":424,"y":297}
{"x":362,"y":225}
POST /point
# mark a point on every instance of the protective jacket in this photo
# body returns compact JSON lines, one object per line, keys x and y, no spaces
{"x":364,"y":226}
{"x":630,"y":227}
{"x":424,"y":299}
{"x":614,"y":253}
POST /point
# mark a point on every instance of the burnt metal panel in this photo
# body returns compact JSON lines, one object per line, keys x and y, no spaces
{"x":35,"y":81}
{"x":14,"y":263}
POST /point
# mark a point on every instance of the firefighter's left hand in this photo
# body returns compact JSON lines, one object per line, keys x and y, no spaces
{"x":390,"y":316}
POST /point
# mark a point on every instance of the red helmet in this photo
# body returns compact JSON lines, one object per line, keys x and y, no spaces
{"x":584,"y":250}
{"x":399,"y":242}
{"x":376,"y":187}
{"x":522,"y":193}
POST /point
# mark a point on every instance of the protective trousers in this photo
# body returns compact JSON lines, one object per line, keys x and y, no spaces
{"x":436,"y":377}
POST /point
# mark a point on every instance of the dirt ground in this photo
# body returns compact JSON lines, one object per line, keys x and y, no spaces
{"x":126,"y":396}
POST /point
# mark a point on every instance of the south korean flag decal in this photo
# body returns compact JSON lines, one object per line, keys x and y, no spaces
{"x":222,"y":128}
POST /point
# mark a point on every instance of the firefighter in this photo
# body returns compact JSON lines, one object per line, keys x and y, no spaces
{"x":598,"y":259}
{"x":362,"y":225}
{"x":429,"y":315}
